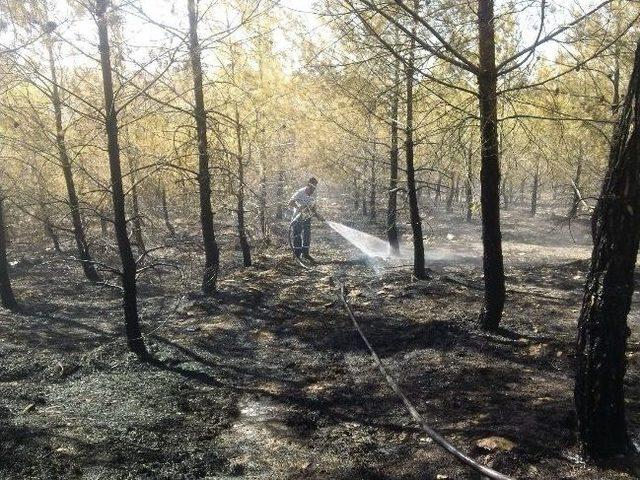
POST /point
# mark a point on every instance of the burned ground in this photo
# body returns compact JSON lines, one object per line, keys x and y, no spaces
{"x":269,"y":379}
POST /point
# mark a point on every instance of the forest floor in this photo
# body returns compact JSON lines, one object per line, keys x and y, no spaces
{"x":269,"y":380}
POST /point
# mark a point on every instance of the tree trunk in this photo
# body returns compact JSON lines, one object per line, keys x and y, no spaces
{"x":132,"y":324}
{"x":493,"y":266}
{"x":356,"y":195}
{"x":279,"y":194}
{"x":136,"y":220}
{"x":602,"y":325}
{"x":523,"y":185}
{"x":469,"y":188}
{"x":104,"y":223}
{"x":242,"y":235}
{"x":414,"y":211}
{"x":365,"y":209}
{"x":505,"y":193}
{"x":534,"y":191}
{"x":373,"y":191}
{"x":165,"y":211}
{"x":262,"y":200}
{"x":452,"y":192}
{"x":211,"y":251}
{"x":575,"y":204}
{"x":84,"y":255}
{"x":392,"y":203}
{"x":438,"y":196}
{"x":6,"y":291}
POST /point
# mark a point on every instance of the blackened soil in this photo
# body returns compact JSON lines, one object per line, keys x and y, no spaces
{"x":268,"y":380}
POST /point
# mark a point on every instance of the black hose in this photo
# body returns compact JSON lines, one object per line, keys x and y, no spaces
{"x":433,"y":434}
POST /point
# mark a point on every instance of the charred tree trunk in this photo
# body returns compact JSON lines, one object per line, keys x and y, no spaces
{"x":373,"y":192}
{"x":6,"y":291}
{"x":132,"y":324}
{"x":136,"y":220}
{"x":493,"y":266}
{"x":356,"y":195}
{"x":242,"y":235}
{"x":165,"y":211}
{"x":452,"y":192}
{"x":104,"y":223}
{"x":279,"y":195}
{"x":535,"y":191}
{"x":438,"y":196}
{"x":469,"y":189}
{"x":575,"y":204}
{"x":262,"y":201}
{"x":602,"y":325}
{"x":211,"y":251}
{"x":505,"y":193}
{"x":365,"y":209}
{"x":392,"y":201}
{"x":82,"y":246}
{"x":414,"y":211}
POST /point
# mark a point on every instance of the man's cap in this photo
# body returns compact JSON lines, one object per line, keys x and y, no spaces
{"x":313,"y":181}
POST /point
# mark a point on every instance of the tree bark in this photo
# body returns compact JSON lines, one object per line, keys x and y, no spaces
{"x":493,"y":266}
{"x":211,"y":250}
{"x":575,"y":204}
{"x":280,"y":195}
{"x":414,"y":211}
{"x":452,"y":192}
{"x":535,"y":191}
{"x":132,"y":323}
{"x":469,"y":188}
{"x":136,"y":220}
{"x":79,"y":234}
{"x":602,"y":325}
{"x":165,"y":211}
{"x":6,"y":291}
{"x":392,"y":200}
{"x":242,"y":235}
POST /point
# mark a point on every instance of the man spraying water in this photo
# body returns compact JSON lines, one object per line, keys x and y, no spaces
{"x":304,"y":208}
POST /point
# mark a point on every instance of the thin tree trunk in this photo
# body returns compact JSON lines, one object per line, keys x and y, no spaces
{"x":575,"y":204}
{"x":279,"y":194}
{"x":165,"y":211}
{"x":242,"y":235}
{"x":505,"y":193}
{"x":438,"y":196}
{"x":132,"y":323}
{"x":534,"y":191}
{"x":104,"y":223}
{"x":211,"y":250}
{"x":365,"y":209}
{"x":65,"y":163}
{"x":452,"y":192}
{"x":469,"y":188}
{"x":392,"y":203}
{"x":373,"y":191}
{"x":414,"y":211}
{"x":6,"y":291}
{"x":262,"y":200}
{"x":356,"y":195}
{"x":602,"y":325}
{"x":136,"y":221}
{"x":493,"y":266}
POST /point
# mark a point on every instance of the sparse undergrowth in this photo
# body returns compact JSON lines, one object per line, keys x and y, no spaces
{"x":269,"y":380}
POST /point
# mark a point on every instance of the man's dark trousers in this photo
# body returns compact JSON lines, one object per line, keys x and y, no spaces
{"x":301,"y":236}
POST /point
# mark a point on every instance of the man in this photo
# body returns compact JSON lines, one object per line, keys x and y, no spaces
{"x":303,"y":204}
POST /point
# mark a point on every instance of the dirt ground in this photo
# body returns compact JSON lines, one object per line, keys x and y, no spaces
{"x":269,"y":380}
